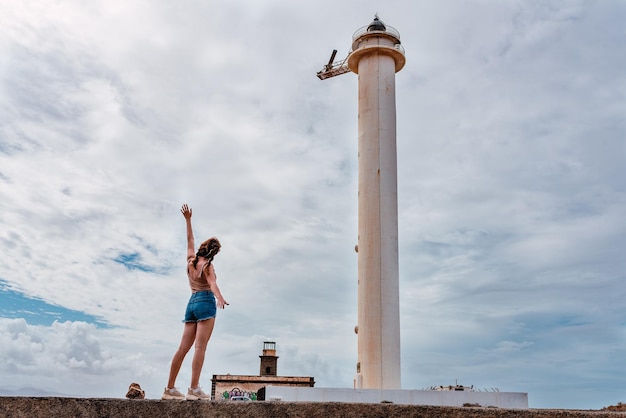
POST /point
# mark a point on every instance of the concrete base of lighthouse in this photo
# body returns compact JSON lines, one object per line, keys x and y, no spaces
{"x":508,"y":400}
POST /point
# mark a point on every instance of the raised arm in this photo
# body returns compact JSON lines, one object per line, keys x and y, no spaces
{"x":191,"y":249}
{"x":209,"y":271}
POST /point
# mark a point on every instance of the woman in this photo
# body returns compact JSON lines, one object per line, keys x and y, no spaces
{"x":200,"y":315}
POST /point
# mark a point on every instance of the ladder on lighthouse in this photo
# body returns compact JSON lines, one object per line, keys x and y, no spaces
{"x":333,"y":69}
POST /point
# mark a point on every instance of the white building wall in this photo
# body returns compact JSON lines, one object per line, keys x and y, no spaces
{"x":509,"y":400}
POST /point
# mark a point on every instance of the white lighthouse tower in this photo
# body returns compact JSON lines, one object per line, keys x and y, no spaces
{"x":376,"y":56}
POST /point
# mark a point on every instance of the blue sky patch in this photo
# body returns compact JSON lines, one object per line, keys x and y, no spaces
{"x":132,"y":261}
{"x":37,"y":312}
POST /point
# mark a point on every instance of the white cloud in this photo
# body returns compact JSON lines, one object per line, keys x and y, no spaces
{"x":72,"y":358}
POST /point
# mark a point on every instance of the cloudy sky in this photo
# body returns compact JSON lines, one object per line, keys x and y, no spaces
{"x":512,"y":191}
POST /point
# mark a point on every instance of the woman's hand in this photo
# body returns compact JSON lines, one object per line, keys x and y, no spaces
{"x":186,"y":211}
{"x":221,"y":303}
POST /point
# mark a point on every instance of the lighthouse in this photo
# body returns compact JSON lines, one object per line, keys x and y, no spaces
{"x":376,"y":57}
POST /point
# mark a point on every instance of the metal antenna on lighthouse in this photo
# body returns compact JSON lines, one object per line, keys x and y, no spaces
{"x":332,"y":58}
{"x":332,"y":70}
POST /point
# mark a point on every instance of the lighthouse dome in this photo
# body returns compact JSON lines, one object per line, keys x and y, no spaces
{"x":376,"y":24}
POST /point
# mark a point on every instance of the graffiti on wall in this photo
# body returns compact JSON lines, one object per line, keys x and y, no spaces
{"x":236,"y":394}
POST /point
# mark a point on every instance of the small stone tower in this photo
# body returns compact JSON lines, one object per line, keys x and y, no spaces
{"x":269,"y":359}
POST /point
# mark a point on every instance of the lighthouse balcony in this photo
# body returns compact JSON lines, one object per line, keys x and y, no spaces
{"x":389,"y":30}
{"x":377,"y":38}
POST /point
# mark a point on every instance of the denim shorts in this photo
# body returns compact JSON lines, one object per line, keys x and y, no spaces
{"x":201,"y":306}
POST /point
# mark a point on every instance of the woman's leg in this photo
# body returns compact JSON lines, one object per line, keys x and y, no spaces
{"x":189,"y":335}
{"x":203,"y":333}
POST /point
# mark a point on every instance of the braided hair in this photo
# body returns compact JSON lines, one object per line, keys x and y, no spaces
{"x":208,"y":249}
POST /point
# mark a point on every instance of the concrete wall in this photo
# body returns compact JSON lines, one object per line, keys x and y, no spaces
{"x":408,"y":397}
{"x":22,"y":407}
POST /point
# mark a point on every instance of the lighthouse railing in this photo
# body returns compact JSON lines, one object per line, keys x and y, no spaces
{"x":390,"y":30}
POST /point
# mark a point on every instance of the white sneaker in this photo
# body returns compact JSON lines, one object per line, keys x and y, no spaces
{"x":197,"y":394}
{"x":173,"y":393}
